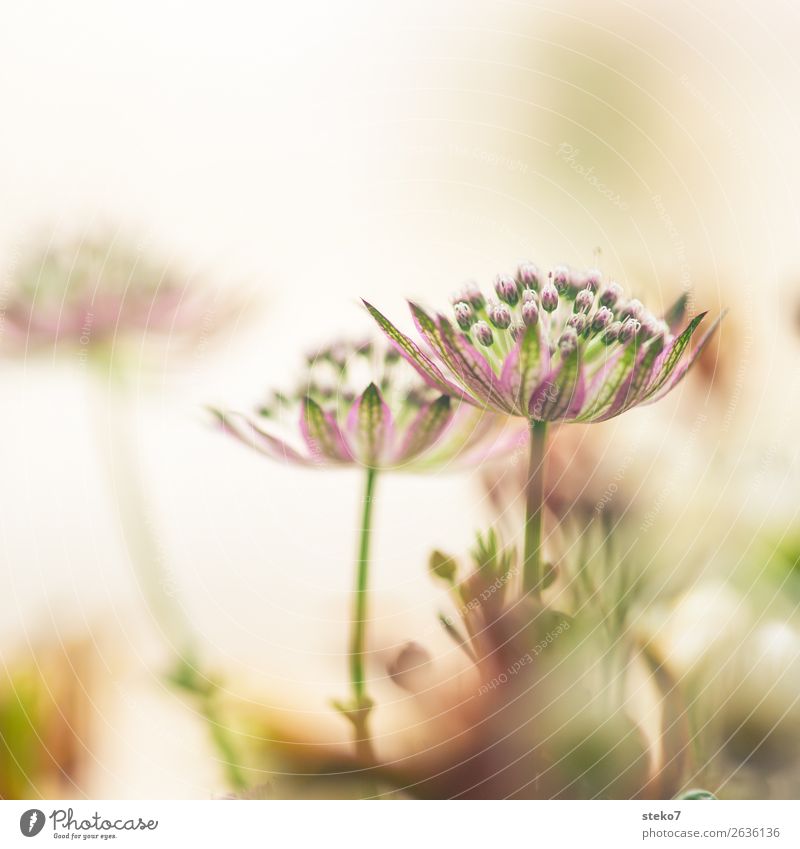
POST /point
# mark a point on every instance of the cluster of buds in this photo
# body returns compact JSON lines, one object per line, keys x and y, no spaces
{"x":358,"y":403}
{"x":335,"y":374}
{"x":572,"y":308}
{"x":565,"y":346}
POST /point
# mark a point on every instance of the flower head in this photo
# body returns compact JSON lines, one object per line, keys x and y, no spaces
{"x":359,"y":403}
{"x":91,"y":292}
{"x":586,"y":354}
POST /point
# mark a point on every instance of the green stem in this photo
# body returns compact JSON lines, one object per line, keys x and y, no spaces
{"x":362,"y":704}
{"x":534,"y":511}
{"x":221,"y":738}
{"x":139,"y":538}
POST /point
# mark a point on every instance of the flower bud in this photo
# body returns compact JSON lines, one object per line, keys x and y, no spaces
{"x":568,"y":341}
{"x":517,"y":331}
{"x":561,"y":279}
{"x":648,"y":325}
{"x":528,"y":276}
{"x":630,"y":327}
{"x":602,"y":319}
{"x":592,"y":280}
{"x":549,"y":296}
{"x":506,"y":288}
{"x":465,"y":315}
{"x":633,"y":309}
{"x":483,"y":333}
{"x":472,"y":295}
{"x":584,"y":300}
{"x":530,"y":312}
{"x":578,"y":322}
{"x":500,"y":316}
{"x":529,"y":295}
{"x":612,"y":332}
{"x":611,"y":294}
{"x":442,"y":566}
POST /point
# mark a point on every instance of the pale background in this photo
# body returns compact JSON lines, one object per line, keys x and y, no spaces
{"x":306,"y":154}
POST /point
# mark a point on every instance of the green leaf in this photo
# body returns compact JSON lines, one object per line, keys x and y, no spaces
{"x":530,"y":365}
{"x":321,"y":433}
{"x":442,"y":566}
{"x":611,"y":383}
{"x":697,"y":794}
{"x":408,"y":348}
{"x":678,"y":347}
{"x":557,"y":395}
{"x":373,"y":424}
{"x":426,"y":428}
{"x":472,"y":368}
{"x":674,"y":315}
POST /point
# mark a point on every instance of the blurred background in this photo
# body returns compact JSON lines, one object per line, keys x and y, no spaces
{"x":284,"y":162}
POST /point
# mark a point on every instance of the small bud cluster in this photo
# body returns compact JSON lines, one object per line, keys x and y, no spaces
{"x":337,"y":374}
{"x":572,"y":308}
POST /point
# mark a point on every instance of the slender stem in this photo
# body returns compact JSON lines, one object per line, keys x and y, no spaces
{"x":359,"y":714}
{"x":223,"y":741}
{"x":157,"y":585}
{"x":534,"y":511}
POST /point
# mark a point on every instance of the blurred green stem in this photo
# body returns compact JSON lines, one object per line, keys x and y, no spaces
{"x":362,"y":704}
{"x":115,"y":417}
{"x":534,"y":510}
{"x":222,"y":739}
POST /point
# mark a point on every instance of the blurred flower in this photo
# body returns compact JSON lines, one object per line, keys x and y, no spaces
{"x":566,"y":349}
{"x":410,"y":668}
{"x":538,"y":713}
{"x":359,"y":404}
{"x":92,"y":292}
{"x":586,"y":477}
{"x":46,"y":715}
{"x":95,"y":295}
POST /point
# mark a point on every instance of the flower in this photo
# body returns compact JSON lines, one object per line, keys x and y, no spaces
{"x":92,"y":292}
{"x":567,"y":349}
{"x":359,"y":404}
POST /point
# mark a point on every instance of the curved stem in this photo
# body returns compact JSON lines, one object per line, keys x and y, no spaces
{"x":223,"y":741}
{"x":157,"y":585}
{"x":534,"y":511}
{"x":362,"y":704}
